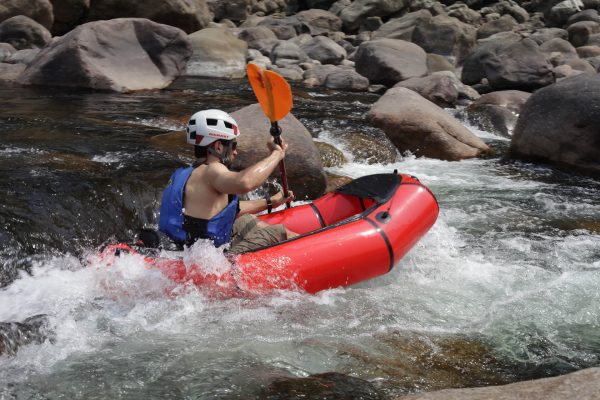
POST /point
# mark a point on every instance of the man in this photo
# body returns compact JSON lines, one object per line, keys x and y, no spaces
{"x":201,"y":201}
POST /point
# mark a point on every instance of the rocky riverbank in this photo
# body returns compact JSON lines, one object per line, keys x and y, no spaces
{"x":449,"y":52}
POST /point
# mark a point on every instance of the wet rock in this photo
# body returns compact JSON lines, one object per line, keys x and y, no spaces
{"x":446,"y":36}
{"x":389,"y":61}
{"x":369,"y":149}
{"x":581,"y":385}
{"x":10,"y":72}
{"x":330,"y":385}
{"x":33,"y":330}
{"x":559,"y":125}
{"x":324,"y":50}
{"x":142,"y":55}
{"x":304,"y":169}
{"x":356,"y":11}
{"x":319,"y":73}
{"x":330,"y":155}
{"x":217,"y":53}
{"x":335,"y":181}
{"x":346,"y":79}
{"x":497,"y":111}
{"x":190,"y":16}
{"x":416,"y":124}
{"x":38,"y":10}
{"x":402,"y":28}
{"x":519,"y":65}
{"x":439,"y":89}
{"x":68,"y":14}
{"x":24,"y":33}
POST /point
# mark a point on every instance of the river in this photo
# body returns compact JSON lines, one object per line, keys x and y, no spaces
{"x":503,"y":288}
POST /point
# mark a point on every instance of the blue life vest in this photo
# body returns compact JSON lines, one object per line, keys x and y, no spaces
{"x":219,"y":227}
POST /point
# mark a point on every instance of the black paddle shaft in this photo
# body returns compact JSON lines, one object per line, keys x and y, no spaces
{"x":276,"y":132}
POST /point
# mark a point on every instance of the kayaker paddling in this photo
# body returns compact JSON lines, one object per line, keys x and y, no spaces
{"x":201,"y":201}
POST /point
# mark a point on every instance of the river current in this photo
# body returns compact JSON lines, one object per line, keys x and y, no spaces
{"x":503,"y":288}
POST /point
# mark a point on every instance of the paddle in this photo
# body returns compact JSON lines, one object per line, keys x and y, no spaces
{"x":275,"y":98}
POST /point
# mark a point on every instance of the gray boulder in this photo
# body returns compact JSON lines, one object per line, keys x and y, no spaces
{"x":24,"y":33}
{"x":120,"y":55}
{"x":519,"y":65}
{"x":320,"y":22}
{"x":544,"y":34}
{"x":10,"y":72}
{"x":5,"y":51}
{"x":38,"y":10}
{"x":402,"y":28}
{"x":317,"y":75}
{"x":497,"y":112}
{"x":26,"y":56}
{"x":463,"y":13}
{"x":33,"y":330}
{"x":346,"y":79}
{"x":581,"y":32}
{"x":389,"y":61}
{"x":439,"y":89}
{"x":188,"y":15}
{"x":259,"y":37}
{"x":217,"y":53}
{"x":68,"y":14}
{"x":285,"y":53}
{"x":560,"y":124}
{"x":502,"y":24}
{"x":303,"y":164}
{"x":414,"y":123}
{"x":233,"y":10}
{"x":324,"y":50}
{"x":585,"y":15}
{"x":559,"y":51}
{"x":446,"y":36}
{"x":353,"y":14}
{"x":561,"y":12}
{"x":588,"y":51}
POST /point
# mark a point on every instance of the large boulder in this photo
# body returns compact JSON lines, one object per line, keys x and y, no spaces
{"x":259,"y":37}
{"x":581,"y":385}
{"x":346,"y":79}
{"x":320,"y":22}
{"x":303,"y":164}
{"x":519,"y":65}
{"x":439,"y":89}
{"x":10,"y":72}
{"x":189,"y":15}
{"x":24,"y":33}
{"x":324,"y":50}
{"x":403,"y":27}
{"x":233,"y":10}
{"x":414,"y":123}
{"x":389,"y":61}
{"x":68,"y":14}
{"x":497,"y":112}
{"x":120,"y":55}
{"x":217,"y":53}
{"x":286,"y":53}
{"x":560,"y":124}
{"x":354,"y":14}
{"x":446,"y":36}
{"x":38,"y":10}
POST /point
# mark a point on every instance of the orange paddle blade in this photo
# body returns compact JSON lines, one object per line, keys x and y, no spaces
{"x":272,"y":92}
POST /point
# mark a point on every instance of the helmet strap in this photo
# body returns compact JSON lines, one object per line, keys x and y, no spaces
{"x":225,"y":157}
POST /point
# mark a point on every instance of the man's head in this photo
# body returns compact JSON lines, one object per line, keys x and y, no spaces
{"x":214,"y":132}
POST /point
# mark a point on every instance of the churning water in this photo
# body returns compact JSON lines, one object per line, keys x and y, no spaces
{"x":503,"y":288}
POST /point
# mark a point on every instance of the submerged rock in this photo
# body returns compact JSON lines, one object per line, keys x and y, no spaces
{"x":16,"y":334}
{"x":497,"y":111}
{"x":330,"y":155}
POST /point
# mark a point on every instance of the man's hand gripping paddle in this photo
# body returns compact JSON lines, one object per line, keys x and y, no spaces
{"x":275,"y":97}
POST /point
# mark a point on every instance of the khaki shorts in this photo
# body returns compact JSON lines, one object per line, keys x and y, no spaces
{"x":247,"y":235}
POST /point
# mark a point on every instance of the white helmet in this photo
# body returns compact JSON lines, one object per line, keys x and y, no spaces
{"x":207,"y":126}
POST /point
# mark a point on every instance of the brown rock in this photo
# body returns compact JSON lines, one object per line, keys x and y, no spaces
{"x":304,"y":169}
{"x":416,"y":124}
{"x":330,"y":155}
